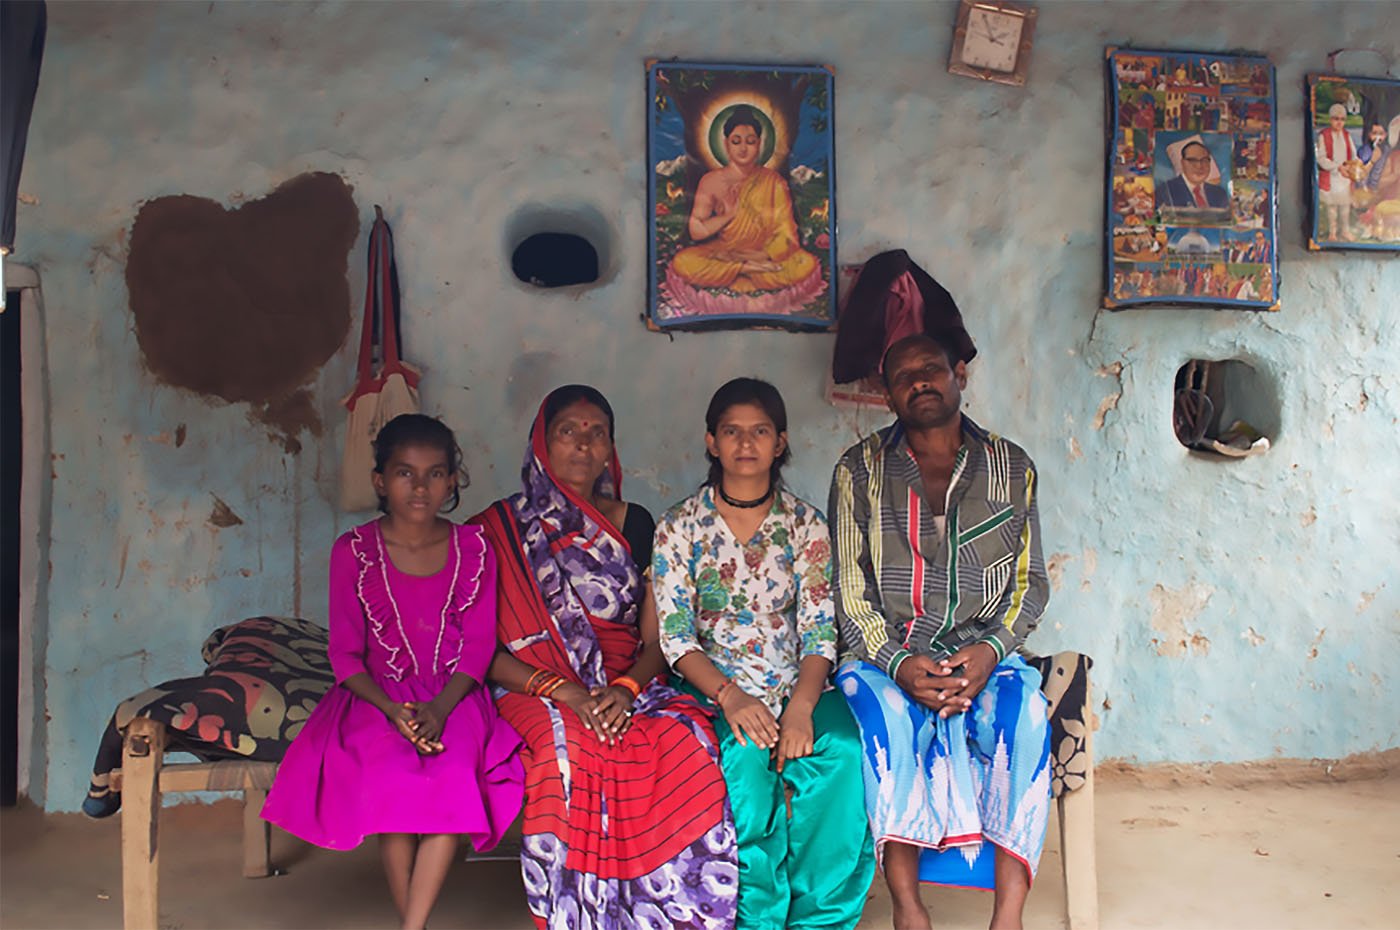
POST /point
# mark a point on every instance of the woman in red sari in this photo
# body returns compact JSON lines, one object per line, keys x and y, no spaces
{"x":626,"y":821}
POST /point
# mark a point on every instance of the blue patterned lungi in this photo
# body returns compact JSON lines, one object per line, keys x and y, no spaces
{"x":947,"y":785}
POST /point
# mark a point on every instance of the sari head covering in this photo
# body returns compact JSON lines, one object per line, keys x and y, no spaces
{"x":584,"y":571}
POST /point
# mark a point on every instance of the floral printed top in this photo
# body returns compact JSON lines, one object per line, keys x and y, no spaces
{"x":757,"y":608}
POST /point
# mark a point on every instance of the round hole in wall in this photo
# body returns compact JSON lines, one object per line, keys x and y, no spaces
{"x":1224,"y":408}
{"x":559,"y":247}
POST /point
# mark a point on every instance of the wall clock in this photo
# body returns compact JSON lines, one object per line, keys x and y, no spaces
{"x":992,"y":41}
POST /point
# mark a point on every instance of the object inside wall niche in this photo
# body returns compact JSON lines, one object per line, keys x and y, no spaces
{"x":1223,"y":408}
{"x":551,"y":259}
{"x":1190,"y":204}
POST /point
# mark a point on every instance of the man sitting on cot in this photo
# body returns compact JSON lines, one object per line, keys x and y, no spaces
{"x":938,"y":579}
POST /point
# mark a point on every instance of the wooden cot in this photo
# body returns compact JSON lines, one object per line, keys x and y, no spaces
{"x":145,"y":778}
{"x":1077,"y":855}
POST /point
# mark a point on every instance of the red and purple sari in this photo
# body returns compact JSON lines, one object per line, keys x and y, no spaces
{"x":634,"y":835}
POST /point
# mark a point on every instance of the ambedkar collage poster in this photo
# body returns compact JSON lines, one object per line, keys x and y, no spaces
{"x":1191,"y":199}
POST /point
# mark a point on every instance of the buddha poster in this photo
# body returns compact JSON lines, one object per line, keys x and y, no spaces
{"x":741,"y":197}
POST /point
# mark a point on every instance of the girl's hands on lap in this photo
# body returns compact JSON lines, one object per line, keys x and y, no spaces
{"x":405,"y":716}
{"x":795,"y":734}
{"x":427,"y":724}
{"x":613,"y":709}
{"x":401,"y":716}
{"x":747,"y":715}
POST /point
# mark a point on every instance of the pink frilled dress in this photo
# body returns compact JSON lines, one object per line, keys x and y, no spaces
{"x":349,"y":773}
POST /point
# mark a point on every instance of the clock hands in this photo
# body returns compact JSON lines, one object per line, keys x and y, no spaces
{"x":993,"y":37}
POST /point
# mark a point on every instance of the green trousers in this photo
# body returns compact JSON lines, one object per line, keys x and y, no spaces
{"x":813,"y":869}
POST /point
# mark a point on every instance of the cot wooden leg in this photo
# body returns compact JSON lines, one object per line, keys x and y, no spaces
{"x":257,"y":836}
{"x":1076,"y":810}
{"x":142,"y":750}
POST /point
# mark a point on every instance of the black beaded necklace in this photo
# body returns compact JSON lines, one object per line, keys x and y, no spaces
{"x":744,"y":505}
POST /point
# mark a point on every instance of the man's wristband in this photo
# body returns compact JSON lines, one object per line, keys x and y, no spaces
{"x":896,"y":661}
{"x":996,"y":645}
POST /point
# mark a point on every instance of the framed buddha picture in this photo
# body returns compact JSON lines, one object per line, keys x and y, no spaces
{"x":741,"y":197}
{"x":1191,"y":201}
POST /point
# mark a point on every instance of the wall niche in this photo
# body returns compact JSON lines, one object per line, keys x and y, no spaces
{"x":553,"y":247}
{"x":1224,"y":409}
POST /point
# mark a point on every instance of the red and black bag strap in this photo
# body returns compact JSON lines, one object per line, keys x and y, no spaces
{"x":381,"y":317}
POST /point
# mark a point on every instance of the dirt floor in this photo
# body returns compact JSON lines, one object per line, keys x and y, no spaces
{"x":1267,"y":856}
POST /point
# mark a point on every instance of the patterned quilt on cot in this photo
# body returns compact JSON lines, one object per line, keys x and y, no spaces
{"x":262,"y":678}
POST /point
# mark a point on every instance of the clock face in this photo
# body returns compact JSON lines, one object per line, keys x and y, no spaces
{"x":993,"y":40}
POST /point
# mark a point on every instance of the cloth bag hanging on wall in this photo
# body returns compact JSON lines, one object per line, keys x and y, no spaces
{"x":380,"y":396}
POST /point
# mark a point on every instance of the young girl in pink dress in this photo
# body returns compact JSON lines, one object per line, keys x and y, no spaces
{"x":408,"y":745}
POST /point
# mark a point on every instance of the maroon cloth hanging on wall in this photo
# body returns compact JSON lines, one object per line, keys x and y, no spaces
{"x":867,"y":323}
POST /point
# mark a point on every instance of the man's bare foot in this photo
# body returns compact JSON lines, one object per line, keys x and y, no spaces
{"x":1008,"y":922}
{"x":911,"y":916}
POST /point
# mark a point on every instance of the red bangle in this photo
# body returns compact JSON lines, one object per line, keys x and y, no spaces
{"x":719,"y":692}
{"x":539,"y":681}
{"x":628,"y":682}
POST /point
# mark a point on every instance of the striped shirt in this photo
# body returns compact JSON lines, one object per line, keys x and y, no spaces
{"x":901,"y":586}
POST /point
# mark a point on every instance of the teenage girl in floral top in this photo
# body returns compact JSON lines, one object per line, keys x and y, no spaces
{"x":742,"y":579}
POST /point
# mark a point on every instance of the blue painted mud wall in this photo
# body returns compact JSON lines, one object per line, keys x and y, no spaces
{"x":1237,"y":610}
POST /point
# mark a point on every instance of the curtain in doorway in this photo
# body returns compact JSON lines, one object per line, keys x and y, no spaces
{"x":22,"y":27}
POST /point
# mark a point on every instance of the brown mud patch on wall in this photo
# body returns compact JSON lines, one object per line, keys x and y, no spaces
{"x":287,"y":416}
{"x":245,"y":304}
